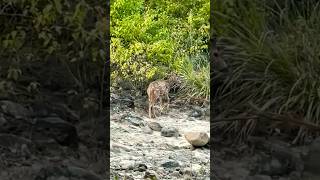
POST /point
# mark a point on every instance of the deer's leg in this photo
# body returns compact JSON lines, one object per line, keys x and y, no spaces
{"x":150,"y":109}
{"x":154,"y":113}
{"x":161,"y":104}
{"x":168,"y":101}
{"x":155,"y":100}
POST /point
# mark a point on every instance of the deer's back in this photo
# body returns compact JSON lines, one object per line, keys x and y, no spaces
{"x":159,"y":87}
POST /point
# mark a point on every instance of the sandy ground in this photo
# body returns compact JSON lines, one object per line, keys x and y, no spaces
{"x":136,"y":150}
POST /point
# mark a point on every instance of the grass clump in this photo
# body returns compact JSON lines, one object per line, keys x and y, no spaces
{"x":273,"y":48}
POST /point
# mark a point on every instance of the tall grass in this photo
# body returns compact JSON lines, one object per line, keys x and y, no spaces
{"x":273,"y":48}
{"x":195,"y":72}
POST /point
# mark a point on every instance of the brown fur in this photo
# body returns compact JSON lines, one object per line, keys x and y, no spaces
{"x":158,"y":90}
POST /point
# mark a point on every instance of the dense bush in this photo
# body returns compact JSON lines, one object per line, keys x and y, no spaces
{"x":70,"y":32}
{"x":273,"y":47}
{"x":152,"y":38}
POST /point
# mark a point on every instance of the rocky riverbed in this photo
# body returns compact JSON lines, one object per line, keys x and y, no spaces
{"x":157,"y":148}
{"x":266,"y":158}
{"x":42,"y":141}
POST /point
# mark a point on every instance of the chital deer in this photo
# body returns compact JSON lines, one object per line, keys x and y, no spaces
{"x":159,"y":89}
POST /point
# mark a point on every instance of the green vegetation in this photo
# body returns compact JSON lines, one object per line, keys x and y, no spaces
{"x":149,"y":39}
{"x":35,"y":34}
{"x":273,"y":47}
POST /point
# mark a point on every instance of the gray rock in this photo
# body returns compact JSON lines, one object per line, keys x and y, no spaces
{"x":187,"y":177}
{"x":169,"y":132}
{"x":63,"y":111}
{"x":127,"y":165}
{"x":140,"y":103}
{"x":129,"y":102}
{"x":175,"y":174}
{"x":312,"y":161}
{"x":14,"y":109}
{"x":147,"y":130}
{"x":187,"y":171}
{"x":17,"y":144}
{"x":151,"y":175}
{"x":58,"y":129}
{"x":141,"y":167}
{"x":281,"y":160}
{"x":68,"y":172}
{"x":154,"y":126}
{"x":113,"y":98}
{"x":196,"y":113}
{"x":134,"y":120}
{"x":170,"y":164}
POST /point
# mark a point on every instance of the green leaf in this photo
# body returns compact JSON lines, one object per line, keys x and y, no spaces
{"x":75,"y":35}
{"x":14,"y":34}
{"x":73,"y":60}
{"x":47,"y":9}
{"x":51,"y":49}
{"x":81,"y":54}
{"x":58,"y":6}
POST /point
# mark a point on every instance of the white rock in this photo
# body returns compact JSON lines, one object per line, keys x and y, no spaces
{"x":197,"y":138}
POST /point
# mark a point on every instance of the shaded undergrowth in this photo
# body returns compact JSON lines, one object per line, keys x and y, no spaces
{"x":273,"y":48}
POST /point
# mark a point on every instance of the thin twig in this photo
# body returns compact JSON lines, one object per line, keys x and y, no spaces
{"x":237,"y":118}
{"x":285,"y":118}
{"x":270,"y":116}
{"x":18,"y":15}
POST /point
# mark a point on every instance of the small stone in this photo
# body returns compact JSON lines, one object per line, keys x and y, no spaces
{"x":169,"y":132}
{"x":155,"y":126}
{"x":191,"y":119}
{"x":197,"y":139}
{"x":170,"y":164}
{"x":62,"y":131}
{"x":140,"y":167}
{"x":151,"y":175}
{"x":14,"y":109}
{"x":127,"y":165}
{"x":147,"y":130}
{"x":196,"y":113}
{"x":175,"y":174}
{"x":197,"y":168}
{"x":187,"y":171}
{"x":134,"y":120}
